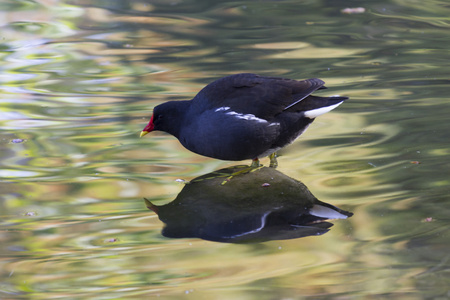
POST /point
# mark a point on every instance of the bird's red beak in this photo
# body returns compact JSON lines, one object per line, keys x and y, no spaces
{"x":149,"y":128}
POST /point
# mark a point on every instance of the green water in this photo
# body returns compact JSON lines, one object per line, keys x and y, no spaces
{"x":78,"y":83}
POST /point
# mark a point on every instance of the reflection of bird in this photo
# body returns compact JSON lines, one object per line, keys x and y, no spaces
{"x":256,"y":206}
{"x":243,"y":116}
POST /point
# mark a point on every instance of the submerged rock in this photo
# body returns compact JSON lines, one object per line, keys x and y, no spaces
{"x":255,"y":206}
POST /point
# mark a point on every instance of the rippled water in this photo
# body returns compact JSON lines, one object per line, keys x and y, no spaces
{"x":79,"y":80}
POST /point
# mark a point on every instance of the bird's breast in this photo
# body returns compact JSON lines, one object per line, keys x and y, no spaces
{"x":227,"y":134}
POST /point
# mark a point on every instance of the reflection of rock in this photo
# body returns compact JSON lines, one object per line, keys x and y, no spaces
{"x":258,"y":206}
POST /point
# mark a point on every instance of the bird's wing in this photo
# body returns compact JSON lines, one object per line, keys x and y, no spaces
{"x":264,"y":97}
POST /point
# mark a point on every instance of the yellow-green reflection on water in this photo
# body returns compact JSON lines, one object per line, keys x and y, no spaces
{"x":79,"y":80}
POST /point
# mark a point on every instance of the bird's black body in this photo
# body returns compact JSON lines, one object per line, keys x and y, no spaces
{"x":243,"y":116}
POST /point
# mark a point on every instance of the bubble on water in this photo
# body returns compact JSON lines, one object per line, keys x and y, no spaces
{"x":17,"y":141}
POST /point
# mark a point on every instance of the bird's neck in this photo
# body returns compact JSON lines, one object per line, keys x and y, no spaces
{"x":177,"y":111}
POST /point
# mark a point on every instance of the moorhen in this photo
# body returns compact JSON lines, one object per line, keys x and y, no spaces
{"x":243,"y":116}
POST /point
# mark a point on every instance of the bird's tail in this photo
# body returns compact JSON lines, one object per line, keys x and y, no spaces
{"x":328,"y":211}
{"x":314,"y":106}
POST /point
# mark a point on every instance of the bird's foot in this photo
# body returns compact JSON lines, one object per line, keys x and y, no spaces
{"x":255,"y":163}
{"x":273,"y":160}
{"x":245,"y":170}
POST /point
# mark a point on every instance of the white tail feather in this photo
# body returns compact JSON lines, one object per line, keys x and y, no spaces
{"x":320,"y":111}
{"x":326,"y":212}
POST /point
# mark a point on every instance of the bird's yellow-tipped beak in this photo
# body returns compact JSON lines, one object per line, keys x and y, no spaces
{"x":143,"y":133}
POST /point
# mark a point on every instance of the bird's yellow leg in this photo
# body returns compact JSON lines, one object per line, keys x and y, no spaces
{"x":273,"y":160}
{"x":253,"y":167}
{"x":255,"y":163}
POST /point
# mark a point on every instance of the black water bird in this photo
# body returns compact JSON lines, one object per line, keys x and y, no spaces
{"x":243,"y":116}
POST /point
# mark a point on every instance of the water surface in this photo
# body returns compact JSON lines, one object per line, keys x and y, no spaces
{"x":79,"y":80}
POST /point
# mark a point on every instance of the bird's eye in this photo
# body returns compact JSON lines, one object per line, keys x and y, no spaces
{"x":159,"y":117}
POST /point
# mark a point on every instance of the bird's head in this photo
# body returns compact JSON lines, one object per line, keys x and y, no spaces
{"x":149,"y":128}
{"x":167,"y":117}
